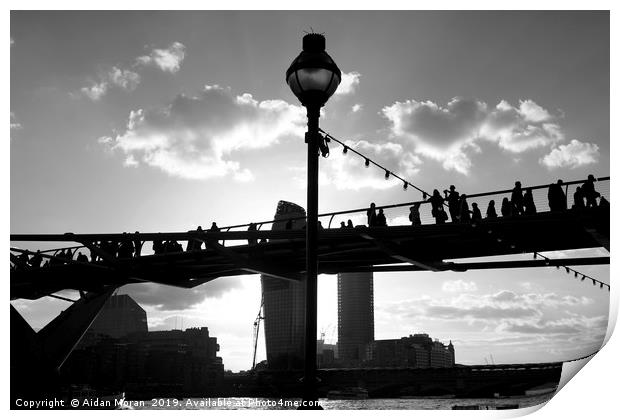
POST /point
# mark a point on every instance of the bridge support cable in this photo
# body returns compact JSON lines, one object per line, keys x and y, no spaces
{"x":467,"y":266}
{"x":576,"y":273}
{"x":548,"y":261}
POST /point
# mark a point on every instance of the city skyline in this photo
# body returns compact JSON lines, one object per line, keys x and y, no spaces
{"x":125,"y":121}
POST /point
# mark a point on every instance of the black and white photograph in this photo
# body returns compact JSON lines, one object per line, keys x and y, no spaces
{"x":306,"y":209}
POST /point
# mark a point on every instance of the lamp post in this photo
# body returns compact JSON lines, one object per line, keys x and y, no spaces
{"x":313,"y":76}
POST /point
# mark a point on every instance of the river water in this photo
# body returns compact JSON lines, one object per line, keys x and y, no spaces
{"x":369,"y":404}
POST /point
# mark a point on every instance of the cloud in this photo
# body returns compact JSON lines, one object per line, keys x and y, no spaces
{"x":194,"y":137}
{"x":487,"y":308}
{"x":572,"y":326}
{"x":450,"y":133}
{"x":349,"y":83}
{"x":347,"y":172}
{"x":169,"y":298}
{"x":126,"y":79}
{"x":96,"y":90}
{"x":356,"y":108}
{"x":572,"y":155}
{"x":167,"y":60}
{"x":123,"y":78}
{"x":533,"y":112}
{"x":458,"y":286}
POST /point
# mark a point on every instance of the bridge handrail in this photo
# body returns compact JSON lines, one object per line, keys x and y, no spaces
{"x":410,"y":203}
{"x":70,"y":236}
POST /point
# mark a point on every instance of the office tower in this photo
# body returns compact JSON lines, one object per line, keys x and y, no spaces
{"x":284,"y":305}
{"x":356,"y":320}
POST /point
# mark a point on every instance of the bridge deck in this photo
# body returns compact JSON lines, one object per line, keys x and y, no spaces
{"x":425,"y":247}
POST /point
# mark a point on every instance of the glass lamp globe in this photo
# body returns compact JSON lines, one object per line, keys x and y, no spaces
{"x":313,"y":76}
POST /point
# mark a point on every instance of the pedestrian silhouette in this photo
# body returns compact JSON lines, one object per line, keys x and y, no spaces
{"x":350,"y":224}
{"x":491,"y":213}
{"x":81,"y":258}
{"x":195,"y":244}
{"x":453,"y":199}
{"x":556,"y":196}
{"x":198,"y":244}
{"x":343,"y":225}
{"x":371,"y":215}
{"x":252,"y":228}
{"x":113,"y":245}
{"x":414,"y":215}
{"x":36,"y":260}
{"x":476,"y":216}
{"x":589,"y":192}
{"x":158,"y":247}
{"x":464,"y":215}
{"x":381,"y":219}
{"x":516,"y":199}
{"x":137,"y":245}
{"x":437,"y":207}
{"x":578,"y":198}
{"x":22,"y":260}
{"x":125,"y":250}
{"x":506,"y":208}
{"x":528,"y":202}
{"x":213,"y":228}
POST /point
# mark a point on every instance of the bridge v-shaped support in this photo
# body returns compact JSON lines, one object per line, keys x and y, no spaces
{"x":252,"y":266}
{"x":61,"y":335}
{"x":36,"y":357}
{"x":395,"y":251}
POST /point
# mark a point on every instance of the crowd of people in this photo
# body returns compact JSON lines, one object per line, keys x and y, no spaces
{"x":521,"y":202}
{"x":125,"y":248}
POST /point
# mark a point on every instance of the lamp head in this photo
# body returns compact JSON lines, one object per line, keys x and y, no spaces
{"x":313,"y":76}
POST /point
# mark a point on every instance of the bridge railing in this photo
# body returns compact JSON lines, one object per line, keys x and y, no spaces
{"x":398,"y":214}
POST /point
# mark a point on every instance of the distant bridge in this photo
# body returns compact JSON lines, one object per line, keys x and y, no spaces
{"x":460,"y":381}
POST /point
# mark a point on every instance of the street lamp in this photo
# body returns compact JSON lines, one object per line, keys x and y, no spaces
{"x":313,"y":77}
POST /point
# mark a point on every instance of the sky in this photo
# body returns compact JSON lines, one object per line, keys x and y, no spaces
{"x":163,"y":121}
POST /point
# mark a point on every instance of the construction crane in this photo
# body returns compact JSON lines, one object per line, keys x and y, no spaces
{"x":259,"y":317}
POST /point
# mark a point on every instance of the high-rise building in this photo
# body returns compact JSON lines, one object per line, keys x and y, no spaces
{"x":284,"y":304}
{"x":121,"y":315}
{"x":356,"y":319}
